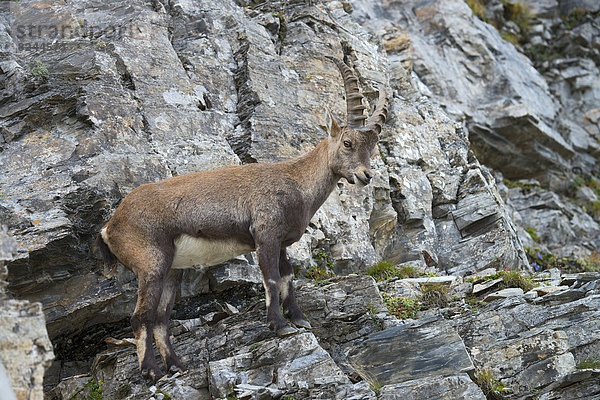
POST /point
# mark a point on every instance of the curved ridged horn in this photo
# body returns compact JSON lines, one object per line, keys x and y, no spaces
{"x":354,"y":105}
{"x":376,"y":120}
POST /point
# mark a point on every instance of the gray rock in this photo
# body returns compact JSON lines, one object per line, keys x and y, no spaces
{"x":8,"y":245}
{"x":503,"y":294}
{"x":310,"y":366}
{"x":234,"y":274}
{"x":562,"y":227}
{"x":563,"y":296}
{"x":459,"y":387}
{"x":480,"y":288}
{"x":578,"y":384}
{"x":588,"y":5}
{"x":240,"y":355}
{"x":544,"y":290}
{"x":530,"y":295}
{"x":483,"y":274}
{"x":543,"y":8}
{"x":5,"y":384}
{"x":411,"y":351}
{"x":25,"y":349}
{"x":342,"y":312}
{"x":443,"y":280}
{"x":576,"y":280}
{"x":460,"y":289}
{"x":585,"y":193}
{"x":400,"y":288}
{"x":529,"y":346}
{"x":496,"y":101}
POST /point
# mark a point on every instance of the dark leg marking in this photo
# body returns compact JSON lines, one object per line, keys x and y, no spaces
{"x":268,"y":261}
{"x":161,"y":324}
{"x":150,"y":287}
{"x":288,"y":295}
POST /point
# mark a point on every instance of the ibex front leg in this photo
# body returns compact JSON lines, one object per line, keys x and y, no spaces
{"x":268,"y":261}
{"x":288,"y":296}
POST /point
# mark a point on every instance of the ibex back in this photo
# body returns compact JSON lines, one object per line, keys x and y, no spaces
{"x":208,"y":217}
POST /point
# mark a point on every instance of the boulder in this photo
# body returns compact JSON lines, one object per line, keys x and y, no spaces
{"x":425,"y":348}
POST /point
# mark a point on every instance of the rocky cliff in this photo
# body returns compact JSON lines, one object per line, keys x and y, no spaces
{"x":100,"y":97}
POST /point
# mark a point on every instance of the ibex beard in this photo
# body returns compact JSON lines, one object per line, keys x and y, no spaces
{"x":209,"y":217}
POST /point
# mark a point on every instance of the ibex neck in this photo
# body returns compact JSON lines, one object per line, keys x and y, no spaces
{"x":312,"y":171}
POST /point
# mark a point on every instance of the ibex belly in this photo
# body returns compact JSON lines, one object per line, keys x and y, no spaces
{"x":190,"y":251}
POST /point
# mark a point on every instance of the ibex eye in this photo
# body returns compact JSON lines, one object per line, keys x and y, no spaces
{"x":347,"y":144}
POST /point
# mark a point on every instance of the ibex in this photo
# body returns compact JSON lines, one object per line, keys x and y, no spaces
{"x":208,"y":217}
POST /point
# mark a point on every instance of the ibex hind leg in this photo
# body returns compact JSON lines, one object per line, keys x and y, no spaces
{"x":151,"y":278}
{"x":288,"y":296}
{"x":161,"y":324}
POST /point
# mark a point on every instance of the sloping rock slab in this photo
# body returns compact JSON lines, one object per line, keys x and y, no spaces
{"x":583,"y":384}
{"x":341,"y":312}
{"x":457,"y":387}
{"x":276,"y":366}
{"x":504,"y":293}
{"x":407,"y":352}
{"x":480,"y":288}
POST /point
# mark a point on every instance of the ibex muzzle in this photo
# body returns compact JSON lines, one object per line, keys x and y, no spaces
{"x":208,"y":217}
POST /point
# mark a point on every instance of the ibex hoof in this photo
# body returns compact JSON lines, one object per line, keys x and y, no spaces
{"x":173,"y":369}
{"x":286,"y":331}
{"x":152,"y":374}
{"x":302,"y":323}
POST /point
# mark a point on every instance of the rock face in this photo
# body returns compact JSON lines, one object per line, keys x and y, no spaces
{"x":529,"y":344}
{"x":127,"y":95}
{"x":103,"y":97}
{"x":240,"y":357}
{"x":561,"y":227}
{"x":25,"y":349}
{"x":525,"y":122}
{"x":534,"y":346}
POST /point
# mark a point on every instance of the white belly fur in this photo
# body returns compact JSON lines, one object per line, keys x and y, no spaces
{"x":190,"y":251}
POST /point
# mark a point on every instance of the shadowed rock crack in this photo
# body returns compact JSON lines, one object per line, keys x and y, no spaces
{"x":248,"y":100}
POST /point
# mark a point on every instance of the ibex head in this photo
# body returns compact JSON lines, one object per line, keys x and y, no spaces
{"x":350,"y":146}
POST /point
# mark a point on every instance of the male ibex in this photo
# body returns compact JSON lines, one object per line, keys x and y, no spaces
{"x":208,"y":217}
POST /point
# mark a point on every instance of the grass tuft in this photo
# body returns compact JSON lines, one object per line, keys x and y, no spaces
{"x":510,"y":37}
{"x":543,"y":261}
{"x":533,"y":233}
{"x":478,"y":8}
{"x":385,"y":270}
{"x":516,"y":279}
{"x":575,"y":17}
{"x":318,"y":274}
{"x":96,"y":389}
{"x":491,"y":387}
{"x":589,"y":363}
{"x":435,"y":295}
{"x":519,"y":13}
{"x":401,"y":307}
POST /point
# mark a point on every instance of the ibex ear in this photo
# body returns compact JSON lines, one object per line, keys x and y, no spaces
{"x":331,"y":124}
